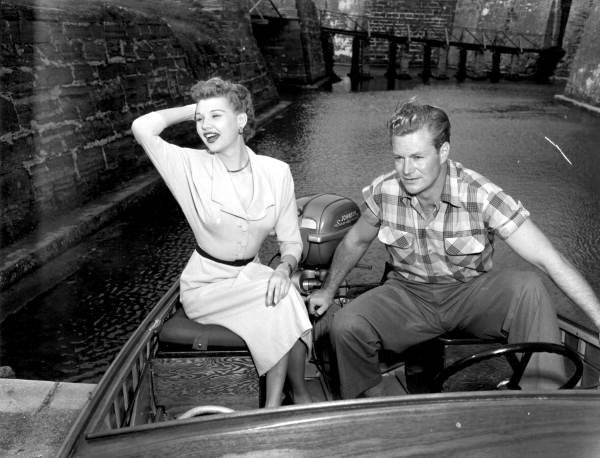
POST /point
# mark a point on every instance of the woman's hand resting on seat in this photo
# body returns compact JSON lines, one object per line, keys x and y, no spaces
{"x":279,"y":284}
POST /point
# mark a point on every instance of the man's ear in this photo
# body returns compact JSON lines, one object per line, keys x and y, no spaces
{"x":242,"y":119}
{"x":444,"y":152}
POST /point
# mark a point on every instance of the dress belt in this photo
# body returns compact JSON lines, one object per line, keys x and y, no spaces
{"x":236,"y":263}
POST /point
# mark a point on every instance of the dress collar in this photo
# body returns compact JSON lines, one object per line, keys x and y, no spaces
{"x":223,"y":191}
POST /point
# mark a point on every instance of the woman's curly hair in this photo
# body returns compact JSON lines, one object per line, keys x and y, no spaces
{"x":237,"y":94}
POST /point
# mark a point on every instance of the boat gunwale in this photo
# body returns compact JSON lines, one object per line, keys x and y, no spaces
{"x":271,"y":418}
{"x":111,"y":382}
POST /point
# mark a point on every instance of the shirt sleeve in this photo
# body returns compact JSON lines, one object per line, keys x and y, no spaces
{"x":370,"y":208}
{"x":286,"y":227}
{"x":368,"y":215}
{"x":166,"y":157}
{"x":503,"y":214}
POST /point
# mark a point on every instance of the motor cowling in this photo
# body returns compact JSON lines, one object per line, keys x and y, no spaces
{"x":324,"y":219}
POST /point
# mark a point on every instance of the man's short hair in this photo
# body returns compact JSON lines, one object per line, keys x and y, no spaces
{"x":411,"y":116}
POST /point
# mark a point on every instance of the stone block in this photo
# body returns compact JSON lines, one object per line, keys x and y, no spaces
{"x":9,"y":122}
{"x":136,"y":90}
{"x":53,"y":76}
{"x":111,"y":102}
{"x":14,"y":152}
{"x":84,"y":73}
{"x":97,"y":129}
{"x":82,"y":31}
{"x":46,"y":111}
{"x":89,"y":163}
{"x":143,"y":49}
{"x":7,"y":372}
{"x":112,"y":71}
{"x":94,"y":51}
{"x":114,"y":31}
{"x":16,"y":188}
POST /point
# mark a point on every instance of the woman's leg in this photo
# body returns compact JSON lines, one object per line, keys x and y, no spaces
{"x":275,"y":380}
{"x":295,"y":374}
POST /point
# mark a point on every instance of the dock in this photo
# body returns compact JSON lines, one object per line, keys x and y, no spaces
{"x":36,"y":415}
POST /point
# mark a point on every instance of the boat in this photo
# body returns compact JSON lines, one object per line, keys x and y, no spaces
{"x":163,"y":398}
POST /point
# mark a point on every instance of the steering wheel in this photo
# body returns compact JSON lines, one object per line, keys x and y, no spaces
{"x":518,"y":365}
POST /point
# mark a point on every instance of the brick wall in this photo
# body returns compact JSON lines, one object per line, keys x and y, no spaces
{"x":74,"y":76}
{"x":426,"y":16}
{"x":584,"y":79}
{"x":536,"y":21}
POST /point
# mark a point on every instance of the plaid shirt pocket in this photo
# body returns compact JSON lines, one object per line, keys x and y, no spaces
{"x":463,"y":246}
{"x":400,"y":243}
{"x":466,"y":252}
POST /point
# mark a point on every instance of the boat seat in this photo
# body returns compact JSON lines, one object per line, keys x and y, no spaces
{"x":215,"y":358}
{"x":180,"y":334}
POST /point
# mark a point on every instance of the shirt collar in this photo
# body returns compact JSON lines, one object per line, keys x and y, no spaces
{"x":450,"y":192}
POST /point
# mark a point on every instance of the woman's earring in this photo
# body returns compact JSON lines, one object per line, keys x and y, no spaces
{"x":240,"y":130}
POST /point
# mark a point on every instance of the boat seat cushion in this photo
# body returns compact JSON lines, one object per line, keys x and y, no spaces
{"x":179,"y":332}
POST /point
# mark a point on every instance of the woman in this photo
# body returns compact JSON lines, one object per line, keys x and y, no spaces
{"x":232,"y":199}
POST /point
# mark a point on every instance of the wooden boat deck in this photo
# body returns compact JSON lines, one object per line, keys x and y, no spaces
{"x":183,"y":383}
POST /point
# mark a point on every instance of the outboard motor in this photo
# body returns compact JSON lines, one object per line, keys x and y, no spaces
{"x":324,"y":219}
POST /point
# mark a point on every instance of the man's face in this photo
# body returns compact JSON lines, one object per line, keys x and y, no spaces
{"x":417,"y":161}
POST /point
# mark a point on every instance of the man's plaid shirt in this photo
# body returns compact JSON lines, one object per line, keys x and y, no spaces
{"x":454,"y":245}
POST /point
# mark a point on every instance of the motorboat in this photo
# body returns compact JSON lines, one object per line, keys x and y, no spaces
{"x":161,"y":396}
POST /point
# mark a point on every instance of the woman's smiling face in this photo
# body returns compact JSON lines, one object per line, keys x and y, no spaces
{"x":217,"y":123}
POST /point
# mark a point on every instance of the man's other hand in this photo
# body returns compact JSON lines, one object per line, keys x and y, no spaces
{"x":319,"y":302}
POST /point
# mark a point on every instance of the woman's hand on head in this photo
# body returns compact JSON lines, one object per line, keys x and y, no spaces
{"x":279,"y":286}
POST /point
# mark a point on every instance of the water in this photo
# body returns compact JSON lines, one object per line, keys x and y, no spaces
{"x":334,"y":142}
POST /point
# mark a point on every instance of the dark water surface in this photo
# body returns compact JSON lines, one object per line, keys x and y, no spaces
{"x":334,"y":142}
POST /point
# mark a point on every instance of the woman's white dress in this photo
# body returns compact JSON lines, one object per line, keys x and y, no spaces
{"x":216,"y":293}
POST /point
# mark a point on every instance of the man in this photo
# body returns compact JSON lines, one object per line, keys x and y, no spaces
{"x":438,"y":220}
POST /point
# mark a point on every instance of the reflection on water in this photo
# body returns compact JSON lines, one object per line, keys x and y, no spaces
{"x":335,"y":142}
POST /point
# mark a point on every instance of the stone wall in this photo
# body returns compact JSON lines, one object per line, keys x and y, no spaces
{"x":584,"y":79}
{"x":310,"y":36}
{"x":75,"y":74}
{"x":291,"y":44}
{"x":578,"y":15}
